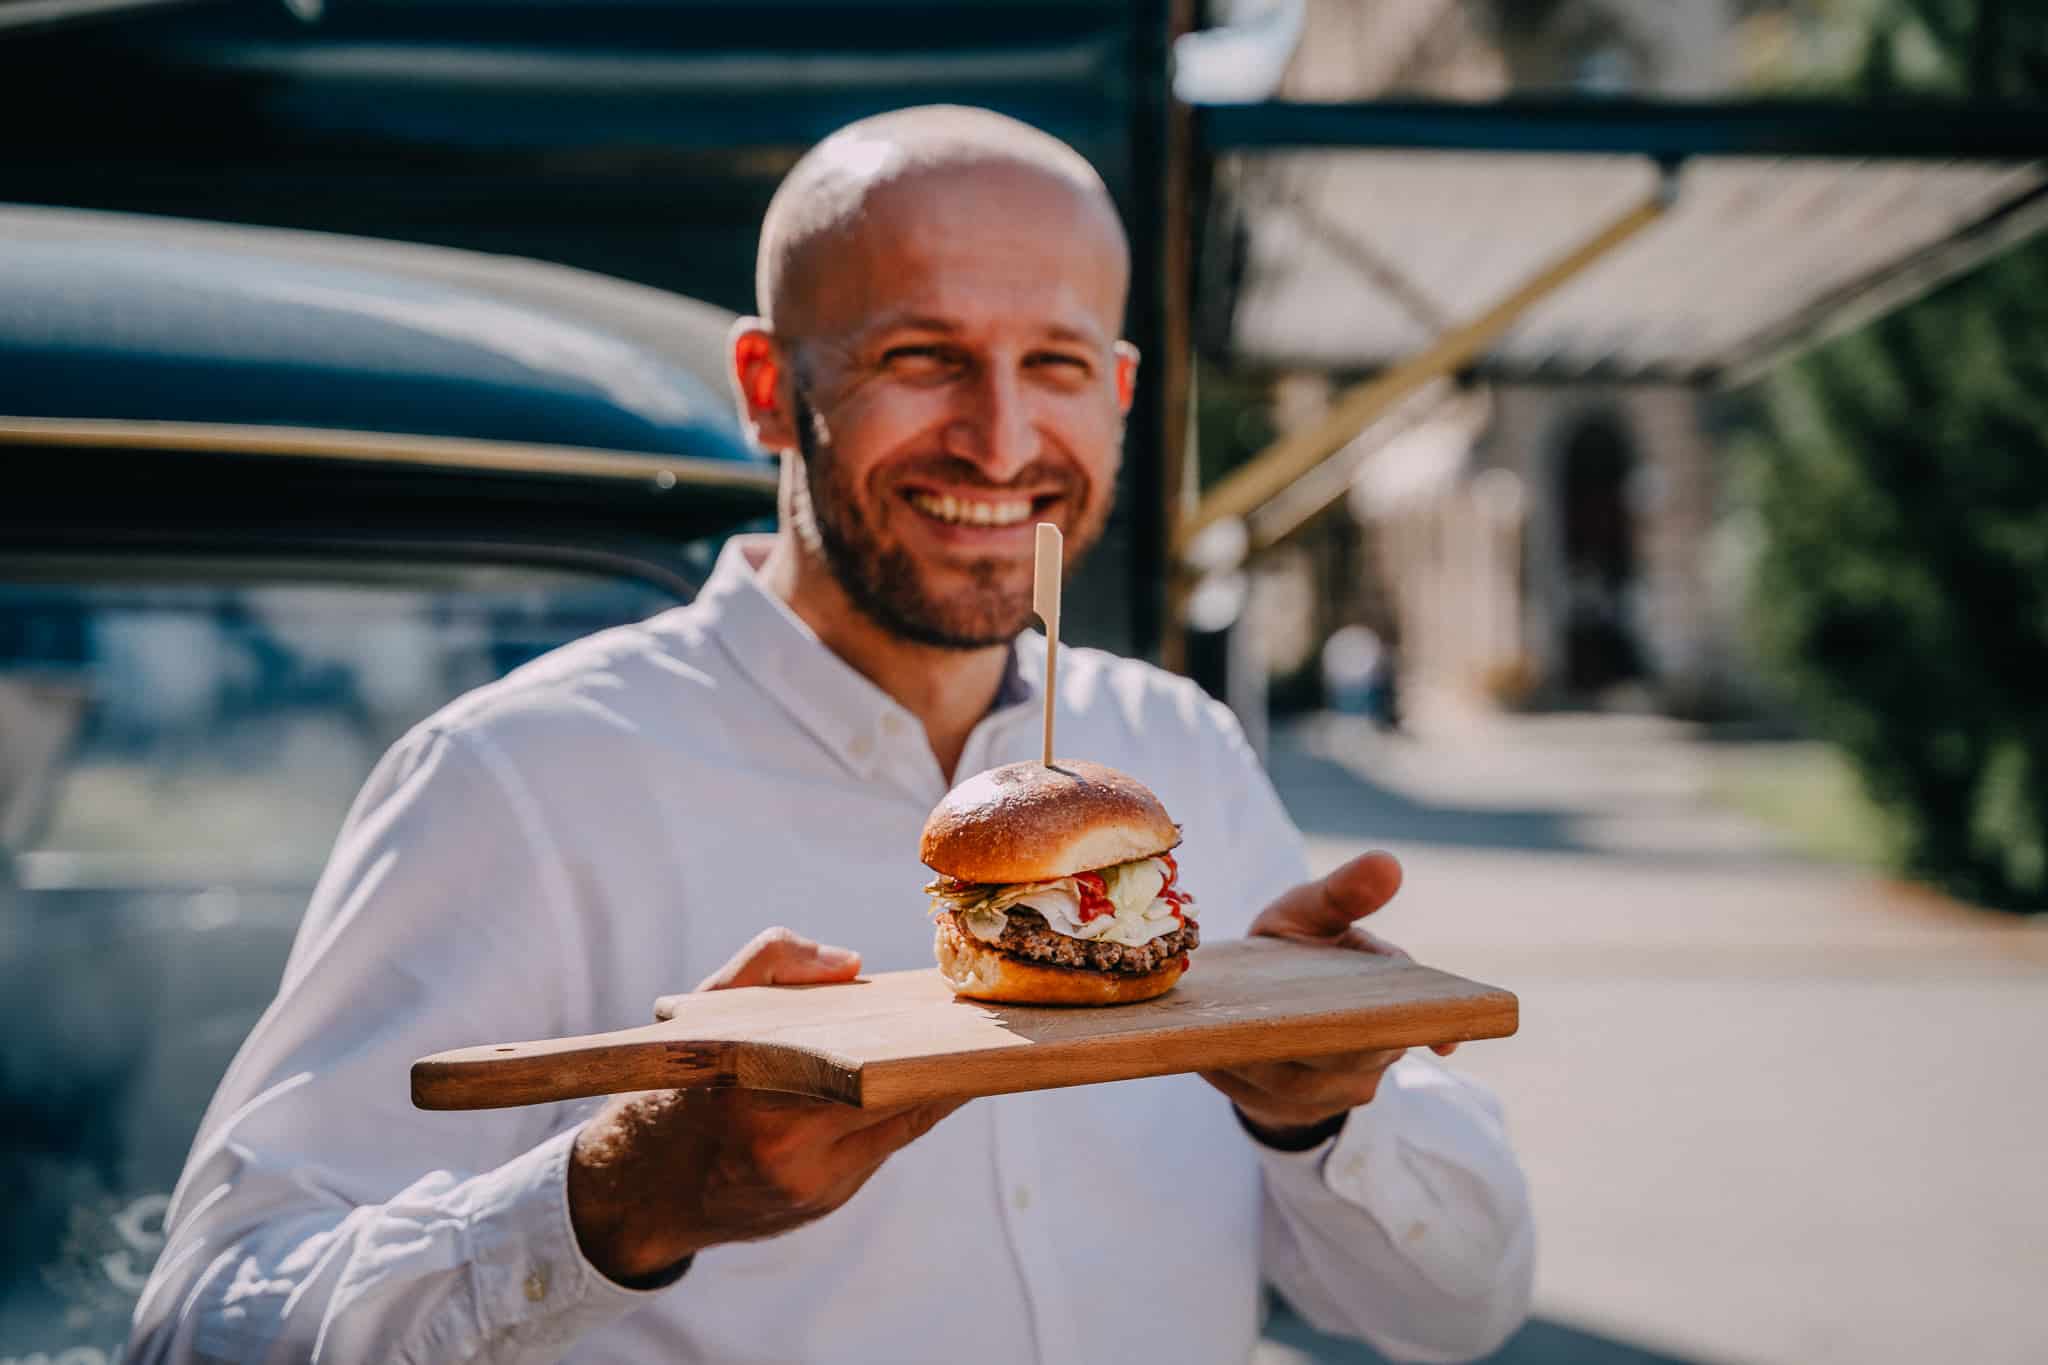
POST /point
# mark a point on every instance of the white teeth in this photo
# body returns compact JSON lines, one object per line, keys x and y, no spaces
{"x":972,"y":513}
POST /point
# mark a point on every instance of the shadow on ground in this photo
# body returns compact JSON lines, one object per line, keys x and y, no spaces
{"x":1335,"y":799}
{"x":1539,"y":1343}
{"x":1325,"y":797}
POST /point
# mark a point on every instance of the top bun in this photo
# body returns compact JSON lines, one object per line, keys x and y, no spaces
{"x":1025,"y":822}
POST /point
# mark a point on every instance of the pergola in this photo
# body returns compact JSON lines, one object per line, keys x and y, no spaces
{"x":1577,"y":241}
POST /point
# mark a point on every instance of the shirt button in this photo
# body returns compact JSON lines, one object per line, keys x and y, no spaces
{"x":1021,"y":1197}
{"x":536,"y":1287}
{"x":892,"y":724}
{"x":861,"y":746}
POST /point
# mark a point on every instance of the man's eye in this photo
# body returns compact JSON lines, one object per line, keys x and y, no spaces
{"x":1062,"y":364}
{"x":919,"y":357}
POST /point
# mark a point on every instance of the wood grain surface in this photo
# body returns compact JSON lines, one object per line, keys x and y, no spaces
{"x":902,"y":1037}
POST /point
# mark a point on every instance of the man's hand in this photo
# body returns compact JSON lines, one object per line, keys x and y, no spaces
{"x":1282,"y":1100}
{"x":656,"y":1177}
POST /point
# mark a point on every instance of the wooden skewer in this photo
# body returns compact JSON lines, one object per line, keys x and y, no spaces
{"x":1045,"y":600}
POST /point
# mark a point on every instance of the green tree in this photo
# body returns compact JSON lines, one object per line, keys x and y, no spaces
{"x":1900,"y":478}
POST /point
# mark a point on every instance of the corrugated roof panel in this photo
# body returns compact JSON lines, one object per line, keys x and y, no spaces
{"x":1750,"y":246}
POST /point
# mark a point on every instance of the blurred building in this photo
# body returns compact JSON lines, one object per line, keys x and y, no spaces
{"x":1528,"y":543}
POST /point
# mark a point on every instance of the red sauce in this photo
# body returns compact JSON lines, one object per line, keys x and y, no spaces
{"x":1170,"y":893}
{"x":1095,"y":900}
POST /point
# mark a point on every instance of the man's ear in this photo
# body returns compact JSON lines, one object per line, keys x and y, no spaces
{"x":758,"y":387}
{"x":1126,"y":376}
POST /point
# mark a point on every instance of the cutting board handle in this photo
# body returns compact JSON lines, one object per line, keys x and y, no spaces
{"x":499,"y":1074}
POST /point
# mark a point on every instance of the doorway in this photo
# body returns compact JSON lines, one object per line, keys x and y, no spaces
{"x":1600,"y":644}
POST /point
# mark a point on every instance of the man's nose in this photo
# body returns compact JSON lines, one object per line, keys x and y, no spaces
{"x":997,"y":431}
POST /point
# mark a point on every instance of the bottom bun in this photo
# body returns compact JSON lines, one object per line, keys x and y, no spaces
{"x":981,"y":973}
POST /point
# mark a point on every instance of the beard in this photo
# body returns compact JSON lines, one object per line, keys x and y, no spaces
{"x":885,"y":583}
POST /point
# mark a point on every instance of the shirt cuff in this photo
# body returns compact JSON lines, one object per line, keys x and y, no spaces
{"x":1360,"y":1165}
{"x":534,"y":1285}
{"x":1363,"y":1165}
{"x":1408,"y":1162}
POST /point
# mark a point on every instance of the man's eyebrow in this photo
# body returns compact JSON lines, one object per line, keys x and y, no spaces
{"x":914,"y":322}
{"x":926,"y":322}
{"x":1083,"y":335}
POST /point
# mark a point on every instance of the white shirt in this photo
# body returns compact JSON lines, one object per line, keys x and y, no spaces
{"x":608,"y":824}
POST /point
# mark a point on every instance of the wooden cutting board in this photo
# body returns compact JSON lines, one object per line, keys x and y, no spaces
{"x":903,"y":1038}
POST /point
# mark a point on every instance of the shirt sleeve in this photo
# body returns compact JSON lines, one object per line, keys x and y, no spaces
{"x":1411,"y":1229}
{"x":320,"y":1216}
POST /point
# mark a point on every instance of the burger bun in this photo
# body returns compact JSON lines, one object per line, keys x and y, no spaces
{"x":1029,"y":822}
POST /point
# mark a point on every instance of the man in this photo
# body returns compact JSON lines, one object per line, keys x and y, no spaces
{"x":936,"y":360}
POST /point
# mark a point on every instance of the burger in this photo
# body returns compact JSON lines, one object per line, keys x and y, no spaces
{"x":1057,"y":886}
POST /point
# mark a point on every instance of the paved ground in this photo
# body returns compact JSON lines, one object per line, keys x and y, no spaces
{"x":1773,"y":1111}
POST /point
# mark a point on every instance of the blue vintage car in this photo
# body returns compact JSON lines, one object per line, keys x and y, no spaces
{"x":271,"y":498}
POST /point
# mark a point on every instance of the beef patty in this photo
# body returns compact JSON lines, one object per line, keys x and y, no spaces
{"x":1026,"y":935}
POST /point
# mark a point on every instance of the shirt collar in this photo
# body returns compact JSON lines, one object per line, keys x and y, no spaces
{"x":849,"y":715}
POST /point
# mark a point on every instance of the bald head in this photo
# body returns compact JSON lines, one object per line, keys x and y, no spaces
{"x":880,"y":174}
{"x":937,"y":357}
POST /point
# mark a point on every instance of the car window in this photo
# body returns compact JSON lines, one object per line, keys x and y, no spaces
{"x":179,"y":742}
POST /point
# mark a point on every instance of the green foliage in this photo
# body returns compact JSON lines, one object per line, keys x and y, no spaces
{"x":1901,"y":482}
{"x":1233,"y":420}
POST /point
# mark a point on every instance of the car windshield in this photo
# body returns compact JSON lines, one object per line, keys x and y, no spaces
{"x":179,"y":743}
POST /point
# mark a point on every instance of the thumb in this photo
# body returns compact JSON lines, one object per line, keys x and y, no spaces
{"x":783,"y":957}
{"x":1325,"y":909}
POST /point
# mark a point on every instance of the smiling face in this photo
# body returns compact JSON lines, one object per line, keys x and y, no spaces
{"x":956,"y":378}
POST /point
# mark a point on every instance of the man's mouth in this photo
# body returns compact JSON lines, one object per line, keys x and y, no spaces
{"x":973,"y":511}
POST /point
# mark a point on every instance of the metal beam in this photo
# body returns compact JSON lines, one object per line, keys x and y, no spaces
{"x":1305,"y":498}
{"x":1939,"y":130}
{"x":1167,"y":134}
{"x":1257,"y":481}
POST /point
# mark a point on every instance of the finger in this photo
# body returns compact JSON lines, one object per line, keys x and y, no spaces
{"x":1280,"y":1075}
{"x":1239,"y":1088}
{"x":1334,"y":1088}
{"x":1323,"y":910}
{"x":783,"y":957}
{"x":869,"y":1146}
{"x":1380,"y":1058}
{"x":1364,"y":941}
{"x":851,"y":1119}
{"x":780,"y":1108}
{"x":1267,"y":1108}
{"x":1443,"y":1049}
{"x":803,"y":1123}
